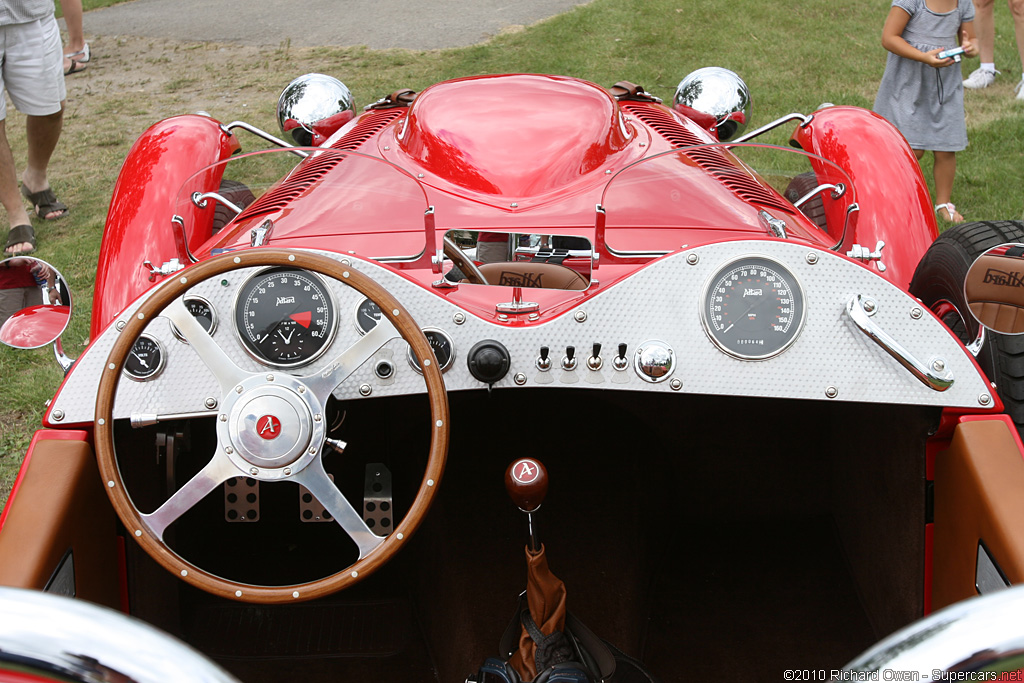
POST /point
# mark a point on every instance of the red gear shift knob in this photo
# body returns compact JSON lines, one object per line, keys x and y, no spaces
{"x":526,"y":481}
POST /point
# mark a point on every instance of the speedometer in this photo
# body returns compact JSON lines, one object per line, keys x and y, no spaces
{"x":284,"y":317}
{"x":753,"y":308}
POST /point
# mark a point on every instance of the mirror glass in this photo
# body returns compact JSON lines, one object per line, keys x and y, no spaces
{"x":35,"y":303}
{"x":994,"y":289}
{"x":512,"y":259}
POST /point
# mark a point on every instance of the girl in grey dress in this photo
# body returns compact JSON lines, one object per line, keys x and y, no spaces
{"x":920,"y":93}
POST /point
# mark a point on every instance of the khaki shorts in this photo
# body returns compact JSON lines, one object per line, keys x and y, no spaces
{"x":33,"y":67}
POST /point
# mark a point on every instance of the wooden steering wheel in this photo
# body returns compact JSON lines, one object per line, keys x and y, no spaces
{"x":300,"y":402}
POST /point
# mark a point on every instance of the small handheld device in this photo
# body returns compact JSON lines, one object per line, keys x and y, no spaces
{"x":953,"y":52}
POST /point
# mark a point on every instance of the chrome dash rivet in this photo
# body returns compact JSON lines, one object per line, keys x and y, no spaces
{"x":365,"y":390}
{"x":938,"y":365}
{"x":812,"y":258}
{"x":916,"y":313}
{"x":870,"y":306}
{"x":459,"y":318}
{"x":676,"y":384}
{"x":119,"y":325}
{"x":57,"y":415}
{"x":984,"y":399}
{"x":580,"y":316}
{"x":692,"y":259}
{"x":519,"y":379}
{"x":831,"y":392}
{"x":210,"y":402}
{"x":346,"y":262}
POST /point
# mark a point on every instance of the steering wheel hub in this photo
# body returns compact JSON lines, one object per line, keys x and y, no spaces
{"x":272,"y":426}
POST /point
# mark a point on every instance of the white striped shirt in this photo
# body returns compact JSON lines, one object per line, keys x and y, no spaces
{"x":24,"y":11}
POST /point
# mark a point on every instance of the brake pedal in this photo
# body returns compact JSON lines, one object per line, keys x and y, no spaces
{"x":310,"y":509}
{"x":377,"y":509}
{"x":241,"y":499}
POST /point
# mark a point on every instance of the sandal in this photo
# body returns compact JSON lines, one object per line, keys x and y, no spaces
{"x":952,"y":215}
{"x":83,"y":55}
{"x":45,"y":202}
{"x":20,"y":234}
{"x":75,"y":67}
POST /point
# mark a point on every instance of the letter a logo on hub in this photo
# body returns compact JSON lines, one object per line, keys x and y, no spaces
{"x":268,"y":427}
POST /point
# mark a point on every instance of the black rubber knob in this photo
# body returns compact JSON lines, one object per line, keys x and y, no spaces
{"x":622,"y":350}
{"x":544,"y":353}
{"x":488,"y":361}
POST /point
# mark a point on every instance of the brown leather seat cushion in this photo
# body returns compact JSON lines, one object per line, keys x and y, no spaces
{"x":528,"y":274}
{"x":995,"y":292}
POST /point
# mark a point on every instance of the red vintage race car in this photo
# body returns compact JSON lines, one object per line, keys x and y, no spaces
{"x":736,"y":389}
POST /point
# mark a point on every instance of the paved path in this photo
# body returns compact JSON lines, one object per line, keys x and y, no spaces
{"x":414,"y":24}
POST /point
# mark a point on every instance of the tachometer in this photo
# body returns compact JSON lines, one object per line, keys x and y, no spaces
{"x":285,"y":317}
{"x":753,"y":308}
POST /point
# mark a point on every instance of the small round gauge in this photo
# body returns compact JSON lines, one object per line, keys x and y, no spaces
{"x":367,"y":316}
{"x":146,"y":359}
{"x":444,"y":350}
{"x":284,"y":317}
{"x":753,"y":308}
{"x":203,"y":312}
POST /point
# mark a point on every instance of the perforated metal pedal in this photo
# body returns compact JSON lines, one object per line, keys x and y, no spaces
{"x":241,"y":500}
{"x":310,"y":509}
{"x":377,"y":509}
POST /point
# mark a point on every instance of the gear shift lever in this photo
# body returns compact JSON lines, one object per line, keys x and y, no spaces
{"x":526,"y":481}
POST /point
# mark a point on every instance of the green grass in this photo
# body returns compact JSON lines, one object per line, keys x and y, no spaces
{"x":794,"y":56}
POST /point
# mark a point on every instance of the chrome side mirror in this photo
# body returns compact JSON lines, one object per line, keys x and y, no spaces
{"x":313,"y":107}
{"x":35,"y":303}
{"x":720,"y":94}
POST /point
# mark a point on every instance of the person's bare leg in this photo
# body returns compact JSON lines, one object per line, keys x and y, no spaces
{"x":72,"y":10}
{"x":9,"y":195}
{"x":944,"y":172}
{"x":1017,"y":10}
{"x":985,"y":29}
{"x":42,"y":134}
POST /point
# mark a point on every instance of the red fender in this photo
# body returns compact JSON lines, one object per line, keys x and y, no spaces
{"x":139,"y":219}
{"x":895,"y":205}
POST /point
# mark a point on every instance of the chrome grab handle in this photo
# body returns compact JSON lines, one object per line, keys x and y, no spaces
{"x":934,"y":375}
{"x":838,"y":190}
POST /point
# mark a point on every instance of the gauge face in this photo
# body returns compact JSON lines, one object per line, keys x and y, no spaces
{"x":145,"y":360}
{"x":443,"y":347}
{"x":284,"y":318}
{"x":203,"y":312}
{"x":753,"y":308}
{"x":367,"y":316}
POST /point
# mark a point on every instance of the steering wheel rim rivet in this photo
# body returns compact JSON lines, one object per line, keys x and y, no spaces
{"x":184,"y":572}
{"x":395,"y":312}
{"x":111,"y":484}
{"x":111,"y":366}
{"x":138,"y":532}
{"x":426,"y":362}
{"x":345,"y":274}
{"x":430,"y":482}
{"x":355,"y":574}
{"x":291,"y":257}
{"x":237,"y":259}
{"x":101,"y":421}
{"x":295,"y":594}
{"x":141,"y":316}
{"x":238,"y":594}
{"x":184,"y":280}
{"x":439,"y":423}
{"x":399,"y":536}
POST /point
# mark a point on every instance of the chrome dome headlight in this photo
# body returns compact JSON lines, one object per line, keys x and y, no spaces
{"x":310,"y":100}
{"x":719,"y":93}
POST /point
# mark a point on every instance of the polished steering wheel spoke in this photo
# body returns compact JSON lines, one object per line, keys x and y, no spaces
{"x":216,"y":472}
{"x":324,"y":490}
{"x":223,"y":368}
{"x":338,"y":370}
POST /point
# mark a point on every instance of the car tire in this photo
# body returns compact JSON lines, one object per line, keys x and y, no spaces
{"x":813,"y":208}
{"x":939,"y":283}
{"x":236,"y":193}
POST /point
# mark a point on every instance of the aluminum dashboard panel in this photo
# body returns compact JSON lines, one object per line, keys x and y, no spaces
{"x":830,"y":359}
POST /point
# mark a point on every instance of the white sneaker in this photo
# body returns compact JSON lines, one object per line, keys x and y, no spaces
{"x":980,"y":78}
{"x":1020,"y":90}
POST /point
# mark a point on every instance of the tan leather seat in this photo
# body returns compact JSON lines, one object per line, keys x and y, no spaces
{"x":995,"y":292}
{"x":527,"y":274}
